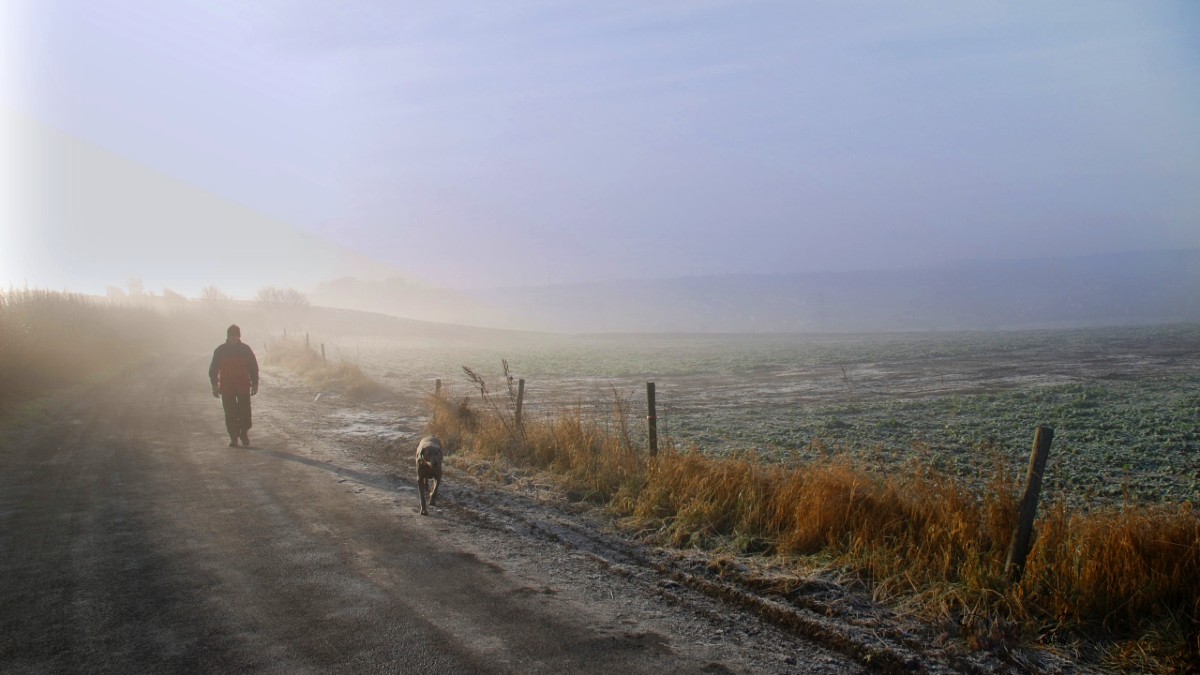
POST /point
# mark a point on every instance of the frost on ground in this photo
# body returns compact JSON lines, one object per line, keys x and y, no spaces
{"x":1122,"y":401}
{"x":754,"y":616}
{"x":374,"y":424}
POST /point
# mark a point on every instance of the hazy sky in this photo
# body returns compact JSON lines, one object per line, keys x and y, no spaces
{"x":489,"y":143}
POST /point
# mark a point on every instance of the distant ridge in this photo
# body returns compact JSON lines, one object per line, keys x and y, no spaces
{"x":93,"y":218}
{"x":1114,"y":289}
{"x":400,"y":297}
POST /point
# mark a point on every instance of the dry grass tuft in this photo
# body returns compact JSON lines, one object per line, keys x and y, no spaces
{"x":342,"y":376}
{"x":921,"y":538}
{"x":1131,"y":572}
{"x":593,"y":465}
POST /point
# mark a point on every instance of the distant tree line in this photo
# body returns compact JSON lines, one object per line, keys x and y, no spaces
{"x":269,"y":297}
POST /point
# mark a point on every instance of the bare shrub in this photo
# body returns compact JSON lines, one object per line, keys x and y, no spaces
{"x":215,"y":296}
{"x":281,"y":298}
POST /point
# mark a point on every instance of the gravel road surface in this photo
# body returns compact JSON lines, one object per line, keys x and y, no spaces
{"x":132,"y":539}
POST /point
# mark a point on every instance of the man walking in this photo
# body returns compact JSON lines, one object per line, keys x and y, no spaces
{"x":234,"y":377}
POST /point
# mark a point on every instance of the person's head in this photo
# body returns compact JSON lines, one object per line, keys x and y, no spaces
{"x":233,"y":333}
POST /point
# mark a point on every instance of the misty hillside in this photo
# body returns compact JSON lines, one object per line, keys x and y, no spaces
{"x":1141,"y":288}
{"x":94,"y":217}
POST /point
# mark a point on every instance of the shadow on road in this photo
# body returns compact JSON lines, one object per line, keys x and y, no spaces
{"x":386,"y":482}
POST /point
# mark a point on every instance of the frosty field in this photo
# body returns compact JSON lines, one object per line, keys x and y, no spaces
{"x":1124,"y":402}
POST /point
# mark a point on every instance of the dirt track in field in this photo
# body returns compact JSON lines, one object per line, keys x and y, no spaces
{"x":132,"y":539}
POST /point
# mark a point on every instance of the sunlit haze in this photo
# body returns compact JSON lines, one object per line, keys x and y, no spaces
{"x":474,"y":145}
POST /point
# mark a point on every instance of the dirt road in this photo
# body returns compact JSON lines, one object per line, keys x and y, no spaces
{"x":132,"y":539}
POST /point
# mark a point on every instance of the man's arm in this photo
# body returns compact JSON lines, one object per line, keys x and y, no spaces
{"x":212,"y":371}
{"x":252,"y":362}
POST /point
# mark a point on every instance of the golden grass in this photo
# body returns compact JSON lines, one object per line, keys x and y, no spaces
{"x":592,"y":464}
{"x":1128,"y":576}
{"x":1132,"y":572}
{"x":345,"y":377}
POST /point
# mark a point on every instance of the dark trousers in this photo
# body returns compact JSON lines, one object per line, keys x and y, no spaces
{"x":237,"y":413}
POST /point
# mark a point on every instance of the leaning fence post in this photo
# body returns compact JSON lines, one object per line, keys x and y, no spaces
{"x":520,"y":400}
{"x":1019,"y":547}
{"x":651,"y":419}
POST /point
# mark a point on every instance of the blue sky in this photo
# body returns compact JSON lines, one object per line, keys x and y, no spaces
{"x":478,"y":144}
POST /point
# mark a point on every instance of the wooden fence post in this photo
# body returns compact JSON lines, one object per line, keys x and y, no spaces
{"x":306,"y":341}
{"x":323,"y":353}
{"x":651,"y":419}
{"x":437,"y":387}
{"x":1018,"y":549}
{"x":520,"y":401}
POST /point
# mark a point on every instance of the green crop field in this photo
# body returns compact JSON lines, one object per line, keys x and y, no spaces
{"x":1124,"y":402}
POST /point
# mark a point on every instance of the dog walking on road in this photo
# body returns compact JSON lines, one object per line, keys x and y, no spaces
{"x":429,"y":466}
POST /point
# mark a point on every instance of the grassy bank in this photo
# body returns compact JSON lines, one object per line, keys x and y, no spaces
{"x":51,"y":340}
{"x":342,"y":376}
{"x":1127,"y":578}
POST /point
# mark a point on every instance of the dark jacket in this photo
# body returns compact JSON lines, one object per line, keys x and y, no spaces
{"x":234,"y":369}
